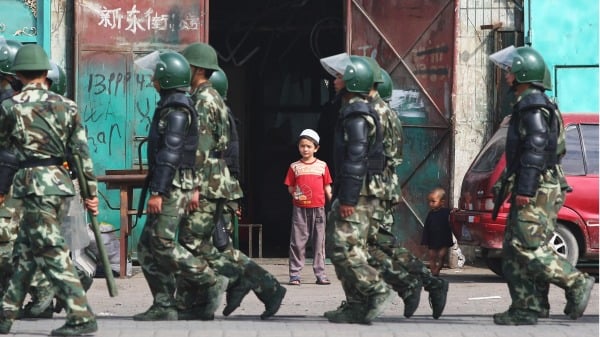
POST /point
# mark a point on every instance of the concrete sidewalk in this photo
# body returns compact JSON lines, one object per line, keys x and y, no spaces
{"x":474,"y":295}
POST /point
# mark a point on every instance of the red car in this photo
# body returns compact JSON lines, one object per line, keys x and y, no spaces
{"x":576,"y":236}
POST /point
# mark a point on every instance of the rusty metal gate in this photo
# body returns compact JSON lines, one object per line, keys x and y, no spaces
{"x":117,"y":100}
{"x":415,"y":42}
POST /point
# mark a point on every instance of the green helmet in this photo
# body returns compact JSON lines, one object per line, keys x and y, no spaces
{"x":201,"y":55}
{"x":219,"y":82}
{"x":358,"y":76}
{"x":377,"y":75}
{"x":57,"y":78}
{"x":172,"y":70}
{"x":31,"y":57}
{"x":547,"y":79}
{"x":385,"y":88}
{"x":528,"y":66}
{"x":8,"y":52}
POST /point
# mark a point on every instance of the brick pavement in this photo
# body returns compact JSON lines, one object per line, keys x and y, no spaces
{"x":475,"y":294}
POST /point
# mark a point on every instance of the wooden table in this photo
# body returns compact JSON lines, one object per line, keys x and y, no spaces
{"x":125,"y":181}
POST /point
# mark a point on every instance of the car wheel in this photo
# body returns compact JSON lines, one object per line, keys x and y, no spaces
{"x":565,"y":244}
{"x":495,"y":265}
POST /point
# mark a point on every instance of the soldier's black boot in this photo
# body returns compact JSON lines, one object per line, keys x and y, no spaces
{"x":40,"y":305}
{"x":31,"y":310}
{"x":348,"y":312}
{"x":438,"y":293}
{"x":272,"y":300}
{"x":235,"y":294}
{"x":6,"y":321}
{"x":543,"y":289}
{"x":411,"y":298}
{"x":157,"y":313}
{"x":578,"y":296}
{"x":76,"y":329}
{"x":266,"y":287}
{"x":516,"y":317}
{"x":376,"y":304}
{"x":205,"y":307}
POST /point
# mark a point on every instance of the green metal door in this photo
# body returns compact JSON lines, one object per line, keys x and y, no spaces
{"x":116,"y":99}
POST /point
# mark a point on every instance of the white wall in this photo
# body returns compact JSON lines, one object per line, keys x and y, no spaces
{"x":473,"y":100}
{"x":58,"y":41}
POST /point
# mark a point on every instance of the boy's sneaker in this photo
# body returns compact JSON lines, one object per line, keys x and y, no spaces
{"x":76,"y":330}
{"x":274,"y":302}
{"x":437,"y":298}
{"x":157,"y":313}
{"x":578,"y":296}
{"x":516,"y":317}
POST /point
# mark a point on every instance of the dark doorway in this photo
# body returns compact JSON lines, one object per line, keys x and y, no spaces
{"x":270,"y":50}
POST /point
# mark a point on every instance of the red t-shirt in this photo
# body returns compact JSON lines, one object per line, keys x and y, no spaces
{"x":309,"y":180}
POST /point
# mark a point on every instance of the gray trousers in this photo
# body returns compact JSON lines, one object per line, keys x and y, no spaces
{"x":307,"y":223}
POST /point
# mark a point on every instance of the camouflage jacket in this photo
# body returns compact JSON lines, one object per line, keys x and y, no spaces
{"x":392,"y":145}
{"x":213,"y":129}
{"x":39,"y":124}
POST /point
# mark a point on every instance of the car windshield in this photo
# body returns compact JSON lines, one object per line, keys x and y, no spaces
{"x":489,"y":157}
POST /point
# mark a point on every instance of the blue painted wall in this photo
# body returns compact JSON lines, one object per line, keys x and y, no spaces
{"x":566,"y":33}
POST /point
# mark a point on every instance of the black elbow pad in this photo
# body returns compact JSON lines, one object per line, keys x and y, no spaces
{"x":354,"y":166}
{"x":168,"y":158}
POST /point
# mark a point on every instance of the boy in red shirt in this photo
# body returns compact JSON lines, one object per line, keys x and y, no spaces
{"x":309,"y":182}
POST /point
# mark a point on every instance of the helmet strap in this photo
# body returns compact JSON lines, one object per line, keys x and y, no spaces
{"x":15,"y":84}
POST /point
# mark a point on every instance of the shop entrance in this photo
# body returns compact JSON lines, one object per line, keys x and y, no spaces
{"x":270,"y":51}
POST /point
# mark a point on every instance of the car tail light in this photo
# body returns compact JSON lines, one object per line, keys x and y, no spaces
{"x":488,"y":204}
{"x":474,"y":219}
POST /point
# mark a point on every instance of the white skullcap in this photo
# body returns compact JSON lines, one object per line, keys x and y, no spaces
{"x":312,"y":134}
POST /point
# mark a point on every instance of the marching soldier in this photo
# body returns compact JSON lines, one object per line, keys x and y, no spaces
{"x":217,"y":186}
{"x":534,"y":148}
{"x":172,"y":144}
{"x":37,"y":130}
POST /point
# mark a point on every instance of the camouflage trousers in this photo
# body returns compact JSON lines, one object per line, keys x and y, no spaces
{"x":9,"y":227}
{"x":40,"y":245}
{"x":530,"y":263}
{"x":8,"y":234}
{"x":346,"y":241}
{"x":399,"y":268}
{"x":163,"y":259}
{"x":196,"y":236}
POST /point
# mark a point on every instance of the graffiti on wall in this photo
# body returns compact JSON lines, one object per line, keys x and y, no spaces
{"x":135,"y":19}
{"x":432,"y":62}
{"x":104,"y":117}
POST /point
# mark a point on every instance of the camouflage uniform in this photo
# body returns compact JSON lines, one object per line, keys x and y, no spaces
{"x":216,"y":186}
{"x":41,"y":127}
{"x":347,"y":237}
{"x":399,"y":267}
{"x":162,"y":258}
{"x":530,"y":262}
{"x":9,"y":227}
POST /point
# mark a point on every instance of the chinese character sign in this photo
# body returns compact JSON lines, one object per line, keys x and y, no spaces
{"x":125,"y":22}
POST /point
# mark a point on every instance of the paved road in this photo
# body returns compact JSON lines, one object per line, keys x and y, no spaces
{"x":475,"y":294}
